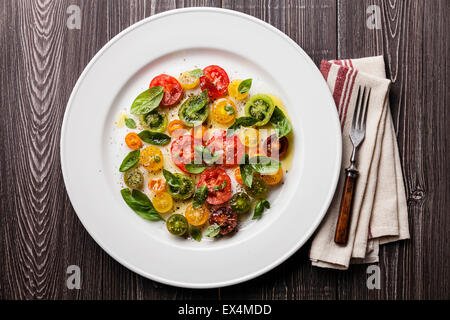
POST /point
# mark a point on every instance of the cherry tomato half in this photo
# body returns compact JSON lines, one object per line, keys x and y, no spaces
{"x":182,"y":151}
{"x":225,"y":218}
{"x":163,"y":202}
{"x":177,"y":224}
{"x":218,"y":183}
{"x":231,"y":147}
{"x":276,"y":147}
{"x":157,"y":185}
{"x":272,"y":179}
{"x":237,"y":176}
{"x":152,"y":159}
{"x":133,"y":141}
{"x":224,"y":111}
{"x":172,"y":89}
{"x":197,"y":217}
{"x":215,"y":80}
{"x":177,"y":128}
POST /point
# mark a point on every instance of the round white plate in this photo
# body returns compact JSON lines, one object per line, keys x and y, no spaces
{"x":91,"y":147}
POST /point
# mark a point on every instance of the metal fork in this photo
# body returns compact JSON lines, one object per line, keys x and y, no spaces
{"x":357,"y":134}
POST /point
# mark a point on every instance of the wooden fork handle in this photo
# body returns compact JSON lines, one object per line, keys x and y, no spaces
{"x":343,"y":223}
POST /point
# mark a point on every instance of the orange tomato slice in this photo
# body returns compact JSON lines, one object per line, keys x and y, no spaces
{"x":133,"y":141}
{"x":157,"y":185}
{"x":272,"y":179}
{"x":197,"y":217}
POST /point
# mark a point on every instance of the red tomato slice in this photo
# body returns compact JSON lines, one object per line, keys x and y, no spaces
{"x":218,"y":183}
{"x":182,"y":151}
{"x":172,"y":89}
{"x":215,"y":80}
{"x":232,"y":148}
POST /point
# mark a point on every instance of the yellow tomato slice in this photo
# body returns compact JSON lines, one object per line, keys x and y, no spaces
{"x":249,"y":137}
{"x":187,"y":81}
{"x":224,"y":111}
{"x":151,"y":158}
{"x":197,"y":217}
{"x":233,"y":90}
{"x":272,"y":179}
{"x":163,"y":202}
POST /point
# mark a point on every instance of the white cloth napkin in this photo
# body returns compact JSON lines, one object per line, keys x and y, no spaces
{"x":379,"y":214}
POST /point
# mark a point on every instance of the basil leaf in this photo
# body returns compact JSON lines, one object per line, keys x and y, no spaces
{"x":130,"y":160}
{"x":245,"y":86}
{"x":147,"y":100}
{"x":241,"y":122}
{"x":196,"y":73}
{"x":196,"y":233}
{"x":141,"y":199}
{"x":130,"y":123}
{"x":200,"y":196}
{"x":212,"y":231}
{"x":229,"y":109}
{"x":264,"y":165}
{"x":261,"y":205}
{"x":206,"y":154}
{"x":155,"y":138}
{"x":221,"y":187}
{"x":171,"y":179}
{"x":135,"y":201}
{"x":197,"y":103}
{"x":246,"y":171}
{"x":280,"y":122}
{"x":195,"y":168}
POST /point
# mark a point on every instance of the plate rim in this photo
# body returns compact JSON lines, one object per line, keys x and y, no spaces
{"x":249,"y":276}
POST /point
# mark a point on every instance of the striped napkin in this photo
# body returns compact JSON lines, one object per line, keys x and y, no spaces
{"x":379,"y":213}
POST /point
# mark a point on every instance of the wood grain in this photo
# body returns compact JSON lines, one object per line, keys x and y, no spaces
{"x":41,"y":59}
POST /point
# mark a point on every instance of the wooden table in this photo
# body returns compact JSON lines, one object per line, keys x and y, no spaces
{"x":41,"y":59}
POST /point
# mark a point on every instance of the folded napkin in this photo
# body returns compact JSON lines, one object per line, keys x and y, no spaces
{"x":379,"y":214}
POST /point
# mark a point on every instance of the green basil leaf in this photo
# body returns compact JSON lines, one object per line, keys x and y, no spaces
{"x":246,"y":171}
{"x":196,"y":233}
{"x":245,"y":86}
{"x":261,"y":205}
{"x":135,"y":200}
{"x":221,"y":187}
{"x":155,"y":138}
{"x":147,"y":100}
{"x":241,"y":122}
{"x":212,"y":231}
{"x":229,"y":109}
{"x":171,"y":179}
{"x":280,"y":122}
{"x":130,"y":160}
{"x":197,"y":103}
{"x":200,"y":196}
{"x":130,"y":123}
{"x":206,"y":154}
{"x":195,"y":168}
{"x":196,"y":73}
{"x":264,"y":165}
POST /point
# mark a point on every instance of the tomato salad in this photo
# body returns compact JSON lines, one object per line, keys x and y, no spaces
{"x":199,"y":158}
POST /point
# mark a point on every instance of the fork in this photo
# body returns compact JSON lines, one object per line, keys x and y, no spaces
{"x":357,"y":134}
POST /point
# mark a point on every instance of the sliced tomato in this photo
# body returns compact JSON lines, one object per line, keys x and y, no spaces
{"x":215,"y":80}
{"x":218,"y":183}
{"x":182,"y":151}
{"x":231,"y":147}
{"x":172,"y":89}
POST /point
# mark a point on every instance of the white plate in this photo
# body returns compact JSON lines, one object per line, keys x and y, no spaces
{"x":170,"y":42}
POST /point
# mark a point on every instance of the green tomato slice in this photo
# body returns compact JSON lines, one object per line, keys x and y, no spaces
{"x":155,"y":120}
{"x":240,"y":203}
{"x":194,"y":111}
{"x":258,"y":189}
{"x":260,"y":107}
{"x":182,"y":187}
{"x":133,"y":178}
{"x":177,"y":224}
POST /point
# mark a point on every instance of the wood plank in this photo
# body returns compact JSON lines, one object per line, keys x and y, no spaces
{"x":40,"y":233}
{"x":312,"y":24}
{"x":415,"y":58}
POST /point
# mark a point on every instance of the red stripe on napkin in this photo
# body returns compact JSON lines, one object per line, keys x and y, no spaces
{"x":325,"y":67}
{"x":339,"y":86}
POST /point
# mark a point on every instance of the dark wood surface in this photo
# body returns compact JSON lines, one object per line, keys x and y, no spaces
{"x":41,"y":59}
